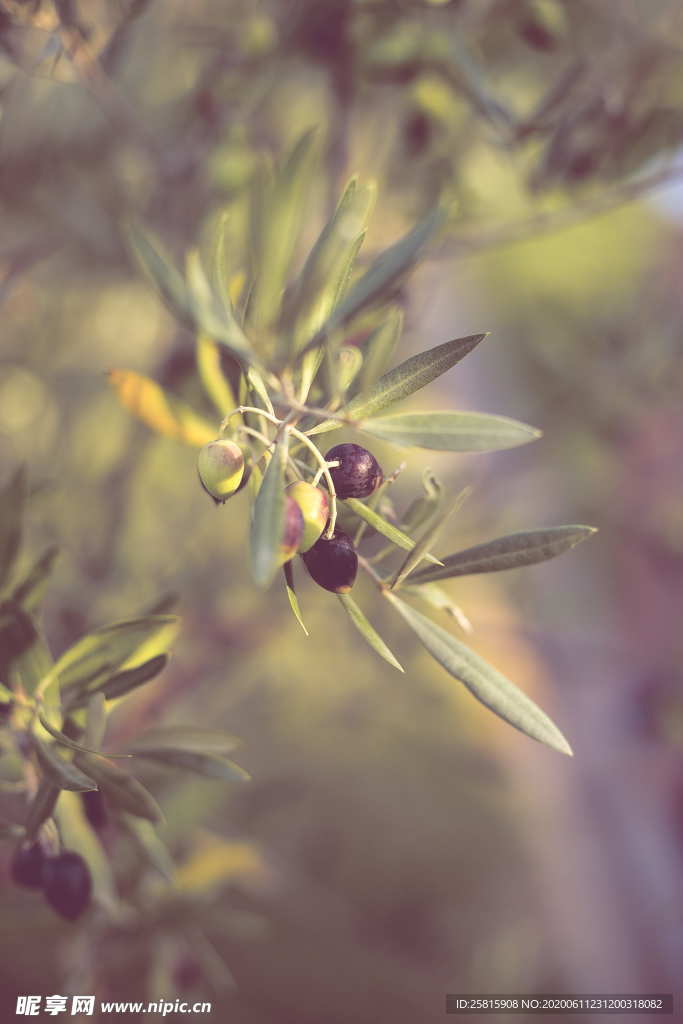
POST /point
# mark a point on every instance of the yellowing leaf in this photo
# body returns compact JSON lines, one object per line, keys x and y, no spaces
{"x":163,"y":412}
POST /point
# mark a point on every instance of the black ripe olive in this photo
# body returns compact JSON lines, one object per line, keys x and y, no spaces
{"x":27,"y":866}
{"x":358,"y":473}
{"x":333,"y":563}
{"x":94,"y":808}
{"x":67,"y":884}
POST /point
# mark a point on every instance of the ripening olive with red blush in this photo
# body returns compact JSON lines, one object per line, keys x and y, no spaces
{"x":358,"y":474}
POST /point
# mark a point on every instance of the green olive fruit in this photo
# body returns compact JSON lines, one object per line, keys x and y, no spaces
{"x":358,"y":474}
{"x":221,"y":469}
{"x":333,"y":562}
{"x":314,"y":508}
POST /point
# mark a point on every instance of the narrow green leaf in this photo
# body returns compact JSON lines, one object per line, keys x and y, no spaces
{"x":97,"y":655}
{"x":380,"y":347}
{"x":66,"y":741}
{"x":368,"y":632}
{"x":310,"y":364}
{"x":450,"y":431}
{"x":41,"y":807}
{"x":329,"y":262}
{"x":516,"y":549}
{"x":276,"y":227}
{"x":350,"y":360}
{"x":159,"y":268}
{"x":482,"y":680}
{"x":29,"y":593}
{"x":421,"y":510}
{"x":210,"y":766}
{"x":61,"y":773}
{"x":410,"y":376}
{"x":211,"y":374}
{"x":211,"y":316}
{"x":383,"y":273}
{"x":6,"y":695}
{"x":269,"y":517}
{"x":291,"y":595}
{"x":123,"y":790}
{"x":428,"y":539}
{"x":190,"y":738}
{"x":221,"y":269}
{"x":128,"y":679}
{"x":387,"y":529}
{"x":12,"y":502}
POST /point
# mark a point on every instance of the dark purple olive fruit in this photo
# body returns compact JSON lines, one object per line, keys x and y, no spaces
{"x":67,"y":883}
{"x":94,"y":808}
{"x":333,"y":563}
{"x":358,"y":473}
{"x":27,"y":866}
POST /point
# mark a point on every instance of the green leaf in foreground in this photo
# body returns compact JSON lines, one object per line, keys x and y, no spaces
{"x":387,"y":529}
{"x":450,"y":431}
{"x":269,"y":516}
{"x":159,"y":268}
{"x":124,"y":681}
{"x":369,"y":634}
{"x":41,"y":807}
{"x":516,"y":549}
{"x":210,"y":766}
{"x":191,"y":738}
{"x":29,"y":593}
{"x":482,"y":680}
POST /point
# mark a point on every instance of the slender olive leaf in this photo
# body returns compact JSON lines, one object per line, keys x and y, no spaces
{"x":159,"y":268}
{"x":474,"y":82}
{"x":63,"y":774}
{"x":404,"y":380}
{"x":6,"y":695}
{"x":368,"y":632}
{"x":216,"y":384}
{"x":310,"y":364}
{"x":516,"y":549}
{"x":29,"y":593}
{"x":388,"y":530}
{"x":220,"y":266}
{"x":123,"y":790}
{"x":12,"y":502}
{"x":41,"y":807}
{"x":482,"y":680}
{"x":150,"y":843}
{"x":160,"y":410}
{"x":95,"y":722}
{"x":192,"y":739}
{"x":66,"y":741}
{"x":382,"y":273}
{"x":291,"y":595}
{"x":256,"y":385}
{"x":211,"y":766}
{"x":380,"y":347}
{"x":211,"y":316}
{"x":163,"y":605}
{"x":277,"y":230}
{"x":437,"y":598}
{"x":77,"y":834}
{"x":450,"y":431}
{"x":96,"y":656}
{"x":269,"y":516}
{"x":125,"y":681}
{"x":328,"y":264}
{"x":432,"y":530}
{"x":350,"y":360}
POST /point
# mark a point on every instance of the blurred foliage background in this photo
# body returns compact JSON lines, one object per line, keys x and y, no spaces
{"x":396,"y":841}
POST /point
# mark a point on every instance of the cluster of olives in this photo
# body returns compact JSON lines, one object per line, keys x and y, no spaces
{"x":64,"y":878}
{"x":332,"y":562}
